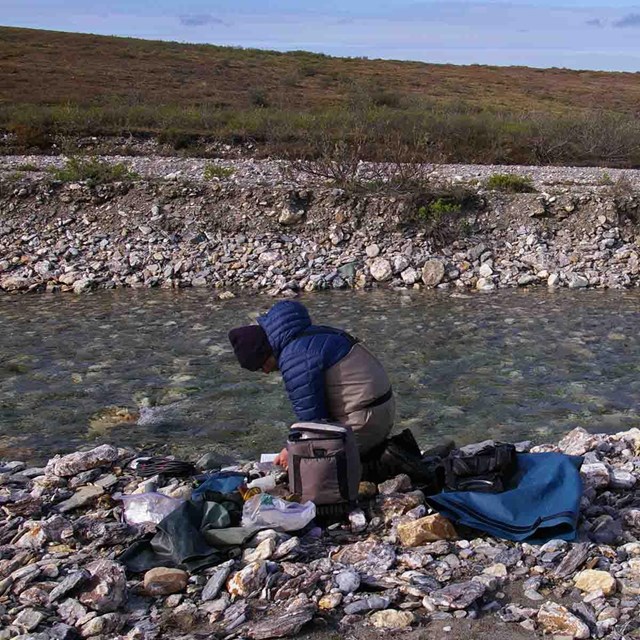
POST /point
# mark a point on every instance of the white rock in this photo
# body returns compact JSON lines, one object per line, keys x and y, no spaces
{"x":381,"y":270}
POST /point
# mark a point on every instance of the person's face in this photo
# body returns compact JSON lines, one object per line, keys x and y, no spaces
{"x":270,"y":365}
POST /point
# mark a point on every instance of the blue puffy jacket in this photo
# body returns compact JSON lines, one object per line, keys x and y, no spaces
{"x":303,"y":360}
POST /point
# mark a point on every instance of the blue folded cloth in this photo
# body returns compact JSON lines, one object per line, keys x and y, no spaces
{"x":220,"y":482}
{"x":541,"y":501}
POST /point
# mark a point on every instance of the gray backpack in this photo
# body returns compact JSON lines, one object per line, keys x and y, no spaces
{"x":324,"y":463}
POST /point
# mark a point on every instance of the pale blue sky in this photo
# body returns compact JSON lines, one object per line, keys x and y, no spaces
{"x":585,"y":34}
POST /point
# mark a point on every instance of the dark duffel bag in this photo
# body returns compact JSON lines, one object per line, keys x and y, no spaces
{"x":486,"y":467}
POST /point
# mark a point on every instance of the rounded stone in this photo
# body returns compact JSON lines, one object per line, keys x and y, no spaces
{"x":163,"y":581}
{"x":433,"y":273}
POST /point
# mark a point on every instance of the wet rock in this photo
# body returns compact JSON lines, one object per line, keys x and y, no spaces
{"x":163,"y":581}
{"x":106,"y":589}
{"x":74,"y":463}
{"x":392,"y":619}
{"x":458,"y":596}
{"x":216,"y":582}
{"x":413,"y":533}
{"x":399,"y":484}
{"x":283,"y":625}
{"x":556,"y":619}
{"x":577,"y":442}
{"x":348,"y":581}
{"x":433,"y":273}
{"x":248,"y":580}
{"x":593,"y":580}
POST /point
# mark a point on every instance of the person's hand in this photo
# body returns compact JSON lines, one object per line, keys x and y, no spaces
{"x":282,"y":459}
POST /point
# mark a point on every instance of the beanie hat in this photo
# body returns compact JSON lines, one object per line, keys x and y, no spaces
{"x":251,"y":346}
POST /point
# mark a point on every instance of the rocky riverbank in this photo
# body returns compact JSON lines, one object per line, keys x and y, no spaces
{"x":394,"y":566}
{"x":265,"y":226}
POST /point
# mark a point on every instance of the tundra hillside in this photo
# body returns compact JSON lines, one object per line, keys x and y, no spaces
{"x":58,"y":88}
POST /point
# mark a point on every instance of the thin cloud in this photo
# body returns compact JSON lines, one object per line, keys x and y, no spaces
{"x":596,"y":22}
{"x":199,"y":20}
{"x":629,"y":21}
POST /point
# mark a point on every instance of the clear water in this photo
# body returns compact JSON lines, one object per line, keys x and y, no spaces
{"x":512,"y":365}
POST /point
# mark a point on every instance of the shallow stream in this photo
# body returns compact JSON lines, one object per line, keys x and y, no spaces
{"x":153,"y":368}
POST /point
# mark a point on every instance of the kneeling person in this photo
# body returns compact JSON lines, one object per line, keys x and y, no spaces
{"x":329,"y":375}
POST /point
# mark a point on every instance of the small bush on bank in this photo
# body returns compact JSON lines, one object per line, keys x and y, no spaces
{"x":214,"y":172}
{"x":258,"y":98}
{"x":93,"y":171}
{"x":28,"y":166}
{"x":605,"y":179}
{"x":440,"y":211}
{"x":31,"y":136}
{"x":510,"y":183}
{"x":177,"y":139}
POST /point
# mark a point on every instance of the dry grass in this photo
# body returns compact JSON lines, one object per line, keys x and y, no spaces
{"x":57,"y":83}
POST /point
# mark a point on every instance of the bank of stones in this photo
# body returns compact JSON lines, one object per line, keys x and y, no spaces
{"x":283,"y":238}
{"x":60,"y":576}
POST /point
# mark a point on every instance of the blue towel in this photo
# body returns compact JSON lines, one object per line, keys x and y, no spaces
{"x":541,"y":501}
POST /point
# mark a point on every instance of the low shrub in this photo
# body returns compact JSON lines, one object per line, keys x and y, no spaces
{"x":93,"y":171}
{"x":177,"y":139}
{"x":28,"y":166}
{"x":31,"y":136}
{"x":510,"y":183}
{"x":215,"y":172}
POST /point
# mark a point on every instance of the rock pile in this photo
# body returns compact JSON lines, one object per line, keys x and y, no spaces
{"x":281,"y":238}
{"x":62,"y":531}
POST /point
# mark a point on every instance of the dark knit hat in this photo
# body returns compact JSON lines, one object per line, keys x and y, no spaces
{"x":251,"y":346}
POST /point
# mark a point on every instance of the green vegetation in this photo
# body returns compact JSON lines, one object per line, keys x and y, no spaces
{"x":605,"y":179}
{"x":299,"y":104}
{"x":92,"y":171}
{"x":510,"y":183}
{"x":28,"y":166}
{"x":438,"y":208}
{"x":214,"y":172}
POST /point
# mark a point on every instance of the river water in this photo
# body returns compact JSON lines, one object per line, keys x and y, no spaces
{"x":512,"y":365}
